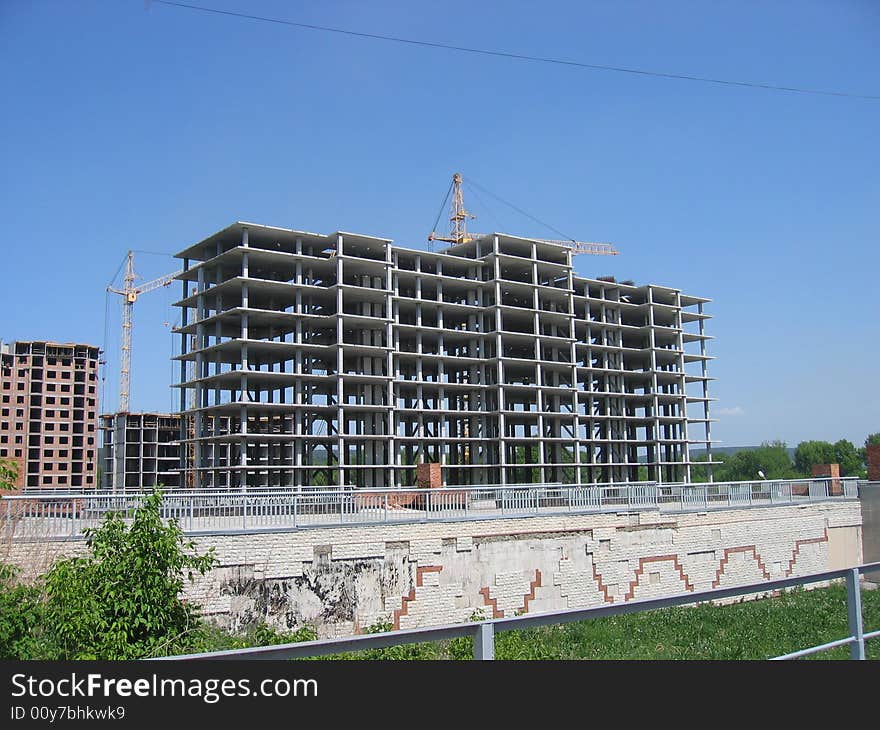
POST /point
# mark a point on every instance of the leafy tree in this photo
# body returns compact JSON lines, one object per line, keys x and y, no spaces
{"x":20,"y":606}
{"x":700,"y":472}
{"x":872,"y":439}
{"x":848,"y":456}
{"x":21,"y":618}
{"x":771,"y":458}
{"x":122,"y":601}
{"x":8,"y":474}
{"x":810,"y":453}
{"x":843,"y":452}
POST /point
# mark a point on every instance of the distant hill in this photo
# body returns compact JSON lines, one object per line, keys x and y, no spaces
{"x":721,"y":450}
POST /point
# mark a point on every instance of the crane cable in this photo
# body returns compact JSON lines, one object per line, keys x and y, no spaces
{"x":442,"y":208}
{"x":521,"y":211}
{"x":501,"y":225}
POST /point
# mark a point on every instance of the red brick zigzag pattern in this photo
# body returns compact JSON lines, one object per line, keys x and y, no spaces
{"x":411,"y":596}
{"x":491,"y":602}
{"x":797,"y":549}
{"x":726,"y":558}
{"x":602,"y":587}
{"x":527,"y":599}
{"x":530,"y":596}
{"x":640,"y":571}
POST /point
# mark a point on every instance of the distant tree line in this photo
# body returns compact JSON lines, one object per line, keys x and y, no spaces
{"x":773,"y":460}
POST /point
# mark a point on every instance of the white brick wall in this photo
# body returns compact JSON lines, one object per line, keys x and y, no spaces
{"x":372,"y":570}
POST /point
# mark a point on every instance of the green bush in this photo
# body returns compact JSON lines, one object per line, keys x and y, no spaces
{"x":208,"y":637}
{"x":122,"y":600}
{"x":8,"y":474}
{"x":22,"y":617}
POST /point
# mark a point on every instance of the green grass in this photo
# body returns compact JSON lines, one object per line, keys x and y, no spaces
{"x":748,"y":630}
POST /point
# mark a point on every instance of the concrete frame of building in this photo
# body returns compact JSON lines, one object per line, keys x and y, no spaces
{"x":140,"y":450}
{"x":345,"y":360}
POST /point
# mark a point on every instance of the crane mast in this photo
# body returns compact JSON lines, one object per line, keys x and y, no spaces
{"x":458,"y":217}
{"x":130,"y":294}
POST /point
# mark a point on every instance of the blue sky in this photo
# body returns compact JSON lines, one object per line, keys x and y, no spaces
{"x":125,"y":127}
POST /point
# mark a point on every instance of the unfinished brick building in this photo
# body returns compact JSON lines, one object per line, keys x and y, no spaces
{"x":48,"y":412}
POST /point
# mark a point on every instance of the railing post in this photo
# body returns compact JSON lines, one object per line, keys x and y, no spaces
{"x":854,"y":608}
{"x":295,"y":502}
{"x":484,"y":642}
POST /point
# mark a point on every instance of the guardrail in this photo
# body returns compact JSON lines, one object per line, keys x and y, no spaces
{"x":47,"y":515}
{"x":483,"y":632}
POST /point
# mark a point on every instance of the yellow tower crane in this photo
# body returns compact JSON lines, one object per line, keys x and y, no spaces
{"x":130,"y":293}
{"x":458,"y":217}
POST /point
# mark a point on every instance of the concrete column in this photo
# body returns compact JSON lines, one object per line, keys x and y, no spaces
{"x":340,"y":364}
{"x":705,"y":379}
{"x":502,"y":440}
{"x":679,"y":345}
{"x":184,"y":350}
{"x":655,"y":407}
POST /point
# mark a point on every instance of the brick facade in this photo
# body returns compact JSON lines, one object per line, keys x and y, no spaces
{"x":832,"y":472}
{"x":48,"y":413}
{"x":429,"y":476}
{"x":873,"y":462}
{"x":344,"y":579}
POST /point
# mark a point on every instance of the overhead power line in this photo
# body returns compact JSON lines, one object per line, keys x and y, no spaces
{"x":519,"y":56}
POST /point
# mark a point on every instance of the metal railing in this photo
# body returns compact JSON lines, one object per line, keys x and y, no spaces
{"x":65,"y":515}
{"x":483,"y":632}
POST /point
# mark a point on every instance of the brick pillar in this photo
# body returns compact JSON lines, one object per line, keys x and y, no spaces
{"x":873,"y":462}
{"x":428,"y":476}
{"x":832,"y":472}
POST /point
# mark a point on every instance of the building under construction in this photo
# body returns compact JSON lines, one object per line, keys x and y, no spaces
{"x":344,"y":359}
{"x":48,"y":416}
{"x":140,"y":450}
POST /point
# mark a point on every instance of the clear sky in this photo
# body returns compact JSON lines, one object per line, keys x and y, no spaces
{"x":150,"y":128}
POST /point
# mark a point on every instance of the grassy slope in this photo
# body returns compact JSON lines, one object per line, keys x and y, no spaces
{"x":747,"y":630}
